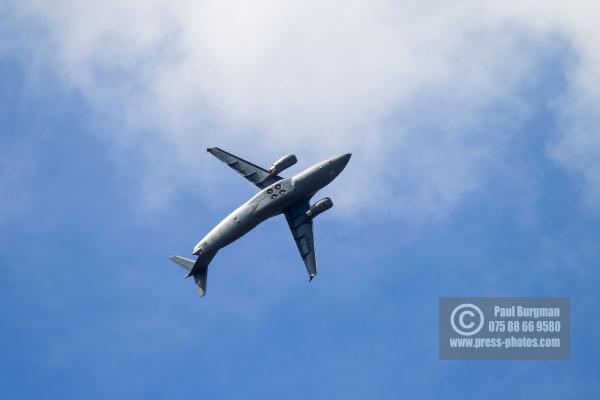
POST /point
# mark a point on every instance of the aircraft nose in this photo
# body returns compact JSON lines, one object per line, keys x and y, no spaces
{"x":343,"y":160}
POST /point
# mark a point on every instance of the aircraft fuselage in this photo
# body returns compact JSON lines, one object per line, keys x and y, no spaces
{"x":271,"y":201}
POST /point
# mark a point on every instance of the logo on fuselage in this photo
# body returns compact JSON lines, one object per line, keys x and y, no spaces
{"x":276,"y":191}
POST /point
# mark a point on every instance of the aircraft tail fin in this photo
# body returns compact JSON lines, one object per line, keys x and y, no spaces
{"x":198,"y":269}
{"x":200,"y":279}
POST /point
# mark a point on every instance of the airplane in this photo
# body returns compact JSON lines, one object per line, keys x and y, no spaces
{"x":277,"y":195}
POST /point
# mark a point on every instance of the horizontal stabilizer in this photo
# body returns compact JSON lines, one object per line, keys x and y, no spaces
{"x":183,"y":262}
{"x":198,"y":269}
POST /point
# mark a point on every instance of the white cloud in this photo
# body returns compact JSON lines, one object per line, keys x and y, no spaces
{"x":578,"y":147}
{"x":424,"y":95}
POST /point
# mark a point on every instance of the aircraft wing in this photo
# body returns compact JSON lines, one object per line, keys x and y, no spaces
{"x":302,"y":230}
{"x":255,"y":174}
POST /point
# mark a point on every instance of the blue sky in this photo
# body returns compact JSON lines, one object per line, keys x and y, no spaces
{"x":475,"y":179}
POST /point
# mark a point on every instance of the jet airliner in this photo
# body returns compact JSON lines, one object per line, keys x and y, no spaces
{"x":288,"y":196}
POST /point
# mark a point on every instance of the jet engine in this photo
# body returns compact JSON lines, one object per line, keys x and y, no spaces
{"x":319,"y":207}
{"x":283,"y":163}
